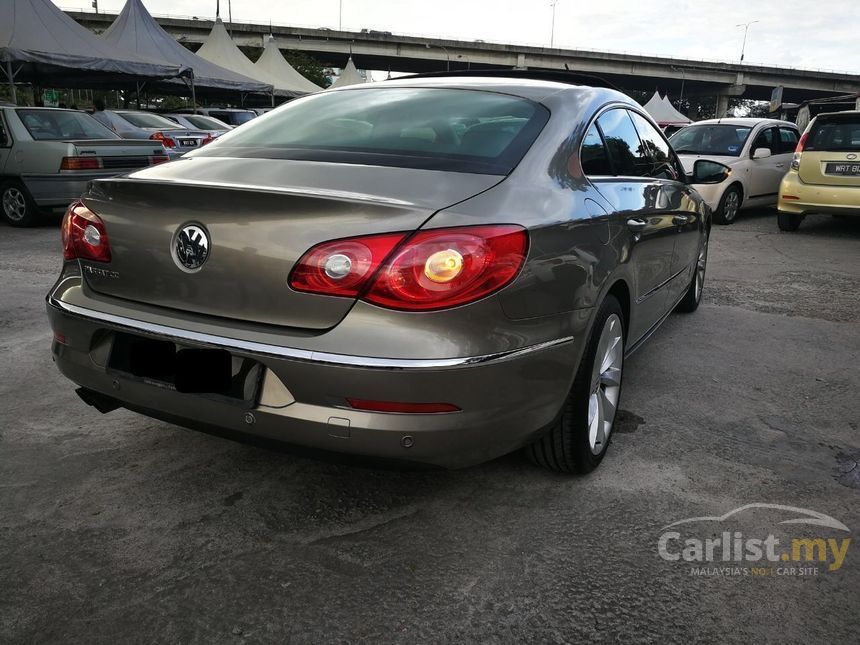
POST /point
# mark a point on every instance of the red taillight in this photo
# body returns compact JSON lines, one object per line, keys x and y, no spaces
{"x":207,"y":139}
{"x":444,"y":268}
{"x":408,"y":408}
{"x":84,"y":235}
{"x":802,"y":143}
{"x":434,"y":269}
{"x":798,"y":151}
{"x":166,"y":141}
{"x":342,"y":267}
{"x":80,"y":163}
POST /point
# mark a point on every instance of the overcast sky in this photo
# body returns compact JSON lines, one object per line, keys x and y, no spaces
{"x":814,"y":34}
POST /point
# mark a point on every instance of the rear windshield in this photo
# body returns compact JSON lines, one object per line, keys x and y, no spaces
{"x":234,"y":118}
{"x":835,"y":134}
{"x":442,"y":129}
{"x":144,"y":120}
{"x":203,"y":122}
{"x":725,"y":140}
{"x":59,"y":125}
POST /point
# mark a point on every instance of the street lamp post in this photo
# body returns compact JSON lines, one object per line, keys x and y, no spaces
{"x":447,"y":55}
{"x":552,"y":30}
{"x":340,"y":15}
{"x":746,"y":26}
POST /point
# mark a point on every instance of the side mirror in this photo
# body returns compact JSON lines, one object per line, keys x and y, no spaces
{"x":709,"y":172}
{"x":761,"y":153}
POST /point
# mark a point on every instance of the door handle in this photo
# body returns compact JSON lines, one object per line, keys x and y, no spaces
{"x":780,"y":165}
{"x":636,"y":225}
{"x":680,"y":220}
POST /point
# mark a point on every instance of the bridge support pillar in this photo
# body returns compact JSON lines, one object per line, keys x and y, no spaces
{"x":722,"y":107}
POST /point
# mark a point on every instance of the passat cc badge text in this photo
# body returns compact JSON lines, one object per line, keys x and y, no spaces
{"x":191,"y":247}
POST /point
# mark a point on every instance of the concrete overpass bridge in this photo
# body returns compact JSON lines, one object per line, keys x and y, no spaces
{"x":384,"y":50}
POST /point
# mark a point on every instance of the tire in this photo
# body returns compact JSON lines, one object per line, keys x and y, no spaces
{"x":690,"y":302}
{"x":571,"y":445}
{"x":729,"y":206}
{"x":17,"y":206}
{"x":788,"y":221}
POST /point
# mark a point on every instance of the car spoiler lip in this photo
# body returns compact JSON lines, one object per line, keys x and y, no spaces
{"x":123,"y":323}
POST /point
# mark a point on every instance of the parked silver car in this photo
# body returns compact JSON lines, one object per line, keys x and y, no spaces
{"x":208,"y":124}
{"x":131,"y":124}
{"x":47,"y":157}
{"x":232,"y":116}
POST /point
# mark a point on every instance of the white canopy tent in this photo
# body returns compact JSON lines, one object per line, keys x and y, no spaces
{"x":275,"y":66}
{"x":135,"y":28}
{"x":348,"y":76}
{"x":663,"y":112}
{"x":220,"y":49}
{"x":41,"y":44}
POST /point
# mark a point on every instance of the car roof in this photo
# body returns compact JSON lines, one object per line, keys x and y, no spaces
{"x":526,"y":88}
{"x":46,"y":109}
{"x":747,"y":121}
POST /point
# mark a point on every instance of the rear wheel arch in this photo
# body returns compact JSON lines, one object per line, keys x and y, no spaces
{"x":621,"y":292}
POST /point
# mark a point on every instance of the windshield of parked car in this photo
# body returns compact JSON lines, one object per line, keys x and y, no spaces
{"x":144,"y":120}
{"x":720,"y":139}
{"x":835,"y":133}
{"x":432,"y":128}
{"x":57,"y":125}
{"x":203,"y":122}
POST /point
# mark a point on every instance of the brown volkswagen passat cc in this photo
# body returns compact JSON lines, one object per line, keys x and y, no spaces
{"x":435,"y":270}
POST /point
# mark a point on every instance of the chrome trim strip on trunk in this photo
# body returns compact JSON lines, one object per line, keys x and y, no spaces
{"x":236,"y":344}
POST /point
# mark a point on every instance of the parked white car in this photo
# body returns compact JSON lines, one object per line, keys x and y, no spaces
{"x":758,"y":152}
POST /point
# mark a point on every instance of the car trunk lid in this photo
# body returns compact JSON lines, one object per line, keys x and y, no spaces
{"x":118,"y":154}
{"x":261,"y":216}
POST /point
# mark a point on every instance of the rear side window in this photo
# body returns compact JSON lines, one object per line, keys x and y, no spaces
{"x":593,"y":156}
{"x":625,"y":149}
{"x":4,"y":139}
{"x":432,"y":128}
{"x":662,"y":162}
{"x":835,"y":134}
{"x":787,"y":140}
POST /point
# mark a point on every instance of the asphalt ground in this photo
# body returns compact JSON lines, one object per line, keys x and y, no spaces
{"x":121,"y":529}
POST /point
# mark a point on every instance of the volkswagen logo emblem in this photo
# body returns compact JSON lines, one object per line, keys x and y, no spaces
{"x":191,"y":247}
{"x":851,"y":156}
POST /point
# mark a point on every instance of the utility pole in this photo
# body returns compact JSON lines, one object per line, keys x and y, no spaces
{"x":552,"y":31}
{"x":746,"y":26}
{"x":340,"y":15}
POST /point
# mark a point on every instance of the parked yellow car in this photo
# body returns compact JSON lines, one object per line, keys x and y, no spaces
{"x":825,"y":171}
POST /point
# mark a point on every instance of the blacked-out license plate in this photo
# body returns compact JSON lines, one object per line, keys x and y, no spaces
{"x":845,"y":169}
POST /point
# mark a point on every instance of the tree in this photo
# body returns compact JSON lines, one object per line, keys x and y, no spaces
{"x":307,"y":66}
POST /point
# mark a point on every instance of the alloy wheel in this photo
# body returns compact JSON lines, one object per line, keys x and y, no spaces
{"x":605,"y":384}
{"x":731,"y":205}
{"x":14,"y":204}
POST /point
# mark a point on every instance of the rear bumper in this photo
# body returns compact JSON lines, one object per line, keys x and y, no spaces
{"x":505,"y":399}
{"x":814,"y":198}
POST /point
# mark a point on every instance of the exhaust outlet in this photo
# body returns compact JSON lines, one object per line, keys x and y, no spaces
{"x":100,"y":402}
